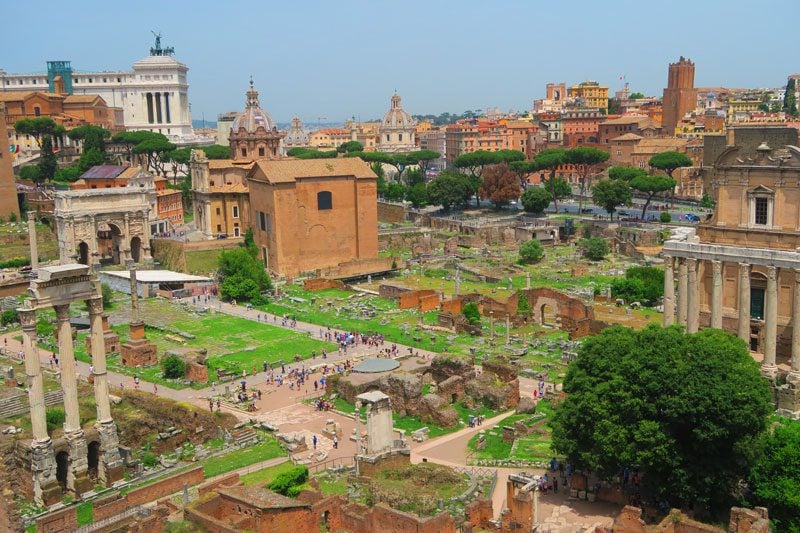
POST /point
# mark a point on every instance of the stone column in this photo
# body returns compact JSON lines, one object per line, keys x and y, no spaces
{"x":125,"y":245}
{"x":692,"y":297}
{"x":77,"y":480}
{"x":527,"y":280}
{"x":43,"y":461}
{"x":794,"y":374}
{"x":744,"y":303}
{"x":768,"y":366}
{"x":683,"y":283}
{"x":94,"y":253}
{"x":669,"y":291}
{"x":508,"y":329}
{"x":716,"y":295}
{"x":110,"y":466}
{"x":32,"y":240}
{"x":147,"y":256}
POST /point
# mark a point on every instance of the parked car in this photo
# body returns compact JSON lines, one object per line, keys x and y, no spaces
{"x":691,"y":217}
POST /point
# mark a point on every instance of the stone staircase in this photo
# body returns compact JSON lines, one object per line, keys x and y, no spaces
{"x":18,"y":405}
{"x":244,"y":436}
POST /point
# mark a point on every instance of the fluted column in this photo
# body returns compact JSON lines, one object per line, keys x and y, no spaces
{"x":794,"y":374}
{"x":683,"y":286}
{"x":692,"y":294}
{"x":716,"y":295}
{"x":69,"y":382}
{"x":744,"y":303}
{"x":768,"y":366}
{"x":33,"y":370}
{"x":669,"y":291}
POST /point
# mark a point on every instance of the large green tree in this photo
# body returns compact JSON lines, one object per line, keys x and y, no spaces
{"x":449,"y":189}
{"x":350,"y":146}
{"x":217,"y":151}
{"x":500,"y":185}
{"x":550,"y":159}
{"x":775,"y":478}
{"x":242,"y":276}
{"x":684,"y":409}
{"x":523,"y":170}
{"x":48,"y":164}
{"x":417,"y":195}
{"x":610,"y":194}
{"x":790,"y":98}
{"x":650,"y":186}
{"x":586,"y":161}
{"x":536,"y":200}
{"x":626,"y":173}
{"x":669,"y":162}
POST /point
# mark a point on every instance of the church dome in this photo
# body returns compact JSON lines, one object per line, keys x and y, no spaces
{"x":397,"y":117}
{"x":297,"y":136}
{"x":253,"y":117}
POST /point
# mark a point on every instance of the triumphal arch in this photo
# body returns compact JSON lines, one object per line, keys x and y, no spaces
{"x":64,"y":467}
{"x":106,"y":225}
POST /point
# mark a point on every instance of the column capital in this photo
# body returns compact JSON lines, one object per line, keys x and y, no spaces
{"x":27,"y":319}
{"x":772,"y":273}
{"x":745,"y":267}
{"x":717,"y":266}
{"x":95,"y":305}
{"x":691,"y":262}
{"x":797,"y":275}
{"x":62,"y":312}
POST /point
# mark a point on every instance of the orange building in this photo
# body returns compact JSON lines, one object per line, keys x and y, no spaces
{"x":328,"y":138}
{"x":473,"y":135}
{"x":680,"y":95}
{"x":579,"y":126}
{"x":315,"y":214}
{"x":637,"y":124}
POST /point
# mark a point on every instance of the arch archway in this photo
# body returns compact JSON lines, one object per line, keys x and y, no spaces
{"x":83,"y":253}
{"x":93,"y":457}
{"x":547,"y":315}
{"x":136,"y":248}
{"x":62,"y":467}
{"x":109,"y":243}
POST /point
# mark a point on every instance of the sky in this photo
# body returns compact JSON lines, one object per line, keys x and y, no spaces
{"x":341,"y":58}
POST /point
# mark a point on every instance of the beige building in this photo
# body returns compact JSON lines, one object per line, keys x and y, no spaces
{"x":397,"y":132}
{"x":740,"y":270}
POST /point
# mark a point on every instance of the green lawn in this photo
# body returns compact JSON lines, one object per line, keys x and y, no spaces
{"x":532,"y":447}
{"x":85,"y":513}
{"x":202,"y":261}
{"x":265,"y":475}
{"x":269,"y":449}
{"x":233,"y":343}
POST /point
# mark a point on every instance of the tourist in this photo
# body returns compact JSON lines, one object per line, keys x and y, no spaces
{"x":211,"y":405}
{"x":314,"y":440}
{"x":555,"y":485}
{"x":335,"y":442}
{"x":136,"y":381}
{"x":155,"y":388}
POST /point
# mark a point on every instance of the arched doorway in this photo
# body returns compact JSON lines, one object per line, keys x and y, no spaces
{"x":93,"y":458}
{"x":109,"y":241}
{"x":758,"y":299}
{"x":62,"y":467}
{"x":547,"y":315}
{"x":83,"y":253}
{"x":136,"y":248}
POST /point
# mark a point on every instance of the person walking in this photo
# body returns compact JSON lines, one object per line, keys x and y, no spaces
{"x":314,"y":440}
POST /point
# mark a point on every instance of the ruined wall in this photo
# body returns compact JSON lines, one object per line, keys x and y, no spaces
{"x":318,"y":284}
{"x":392,"y":213}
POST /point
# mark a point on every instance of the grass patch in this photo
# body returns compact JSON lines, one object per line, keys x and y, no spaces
{"x":533,"y":447}
{"x":202,"y":261}
{"x":265,"y":475}
{"x":85,"y":513}
{"x":269,"y":449}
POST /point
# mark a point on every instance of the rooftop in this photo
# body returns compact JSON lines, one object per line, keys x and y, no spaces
{"x":157,"y":276}
{"x":260,"y":497}
{"x":290,"y":170}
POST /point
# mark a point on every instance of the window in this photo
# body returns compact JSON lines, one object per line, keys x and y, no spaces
{"x":757,"y":303}
{"x":244,"y":152}
{"x":324,"y":200}
{"x":261,"y":151}
{"x":400,"y":137}
{"x":262,"y":221}
{"x":761,"y":206}
{"x":235,"y":211}
{"x":218,"y":211}
{"x":37,"y":111}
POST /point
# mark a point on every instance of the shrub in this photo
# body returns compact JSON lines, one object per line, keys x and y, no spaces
{"x":523,"y":305}
{"x":9,"y":316}
{"x":641,"y":284}
{"x":471,"y":312}
{"x":531,"y":252}
{"x":55,"y":417}
{"x":594,"y":248}
{"x":15,"y":262}
{"x":149,"y":459}
{"x":173,"y":367}
{"x":665,"y":217}
{"x":108,"y":295}
{"x":12,"y":217}
{"x":536,"y":199}
{"x":288,"y":480}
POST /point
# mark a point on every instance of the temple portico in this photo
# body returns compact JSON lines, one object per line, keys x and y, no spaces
{"x":58,"y":287}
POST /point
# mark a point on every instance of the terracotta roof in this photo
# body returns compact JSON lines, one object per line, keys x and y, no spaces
{"x":289,"y":170}
{"x":104,"y":172}
{"x":260,"y":497}
{"x":13,"y":96}
{"x":628,"y":137}
{"x":81,"y":98}
{"x":229,"y":163}
{"x":629,"y":119}
{"x":230,"y":188}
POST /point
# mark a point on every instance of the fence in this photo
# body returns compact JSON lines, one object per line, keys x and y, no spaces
{"x":332,"y":463}
{"x":140,"y":510}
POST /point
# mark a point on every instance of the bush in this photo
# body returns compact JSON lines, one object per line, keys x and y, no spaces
{"x":531,"y":252}
{"x":15,"y":262}
{"x":536,"y":199}
{"x":285,"y":482}
{"x":641,"y":284}
{"x":594,"y":248}
{"x":108,"y":295}
{"x":12,"y":217}
{"x":55,"y":417}
{"x":523,"y":305}
{"x":149,"y":459}
{"x":665,"y":217}
{"x":471,"y":312}
{"x":173,"y":367}
{"x":243,"y":276}
{"x":9,"y":316}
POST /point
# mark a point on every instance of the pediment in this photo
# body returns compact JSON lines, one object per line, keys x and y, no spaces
{"x":761,"y":189}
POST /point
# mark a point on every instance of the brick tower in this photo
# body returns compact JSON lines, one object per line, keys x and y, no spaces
{"x":680,"y":96}
{"x":8,"y":187}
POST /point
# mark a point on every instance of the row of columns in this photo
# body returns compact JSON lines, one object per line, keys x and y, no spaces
{"x":156,"y":113}
{"x":686,"y":307}
{"x":44,"y":463}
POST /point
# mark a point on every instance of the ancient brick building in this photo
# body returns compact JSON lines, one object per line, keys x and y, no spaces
{"x":680,"y":95}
